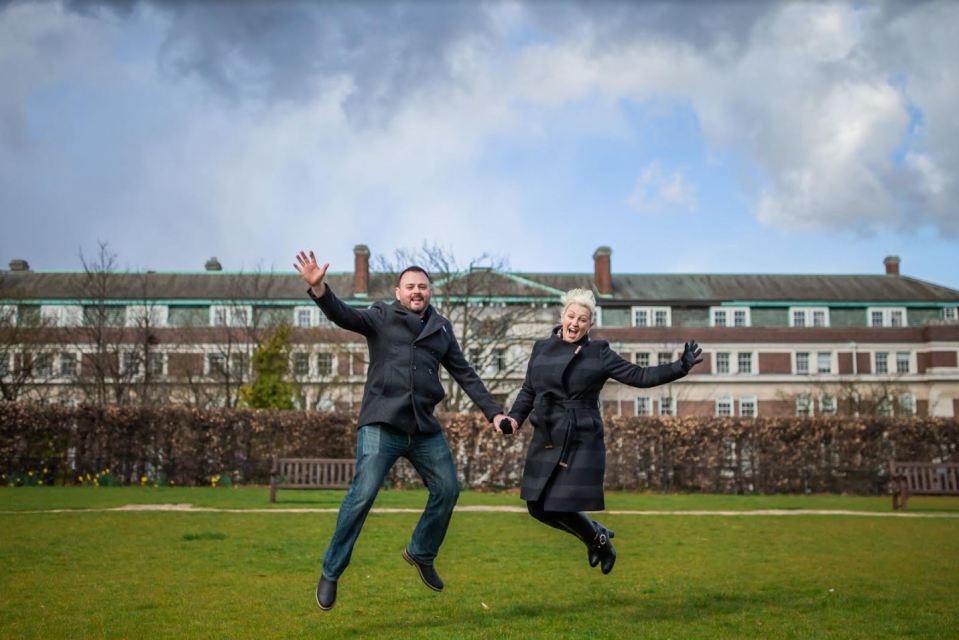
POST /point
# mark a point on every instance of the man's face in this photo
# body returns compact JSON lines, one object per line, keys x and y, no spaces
{"x":414,"y":291}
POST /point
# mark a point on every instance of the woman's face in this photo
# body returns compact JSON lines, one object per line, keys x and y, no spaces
{"x":576,"y":322}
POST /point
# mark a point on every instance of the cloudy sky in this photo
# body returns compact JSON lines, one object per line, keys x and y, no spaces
{"x":689,"y":137}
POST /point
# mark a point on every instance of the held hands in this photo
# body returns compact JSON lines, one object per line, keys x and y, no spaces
{"x":692,"y":355}
{"x":311,"y":271}
{"x":505,"y":424}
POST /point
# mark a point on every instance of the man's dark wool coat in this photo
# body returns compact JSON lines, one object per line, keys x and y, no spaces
{"x":562,"y":386}
{"x":402,"y":382}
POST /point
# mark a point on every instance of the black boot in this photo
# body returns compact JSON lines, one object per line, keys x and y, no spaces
{"x":326,"y":593}
{"x":601,"y":550}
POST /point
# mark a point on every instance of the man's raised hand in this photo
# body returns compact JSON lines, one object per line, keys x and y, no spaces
{"x":311,"y":271}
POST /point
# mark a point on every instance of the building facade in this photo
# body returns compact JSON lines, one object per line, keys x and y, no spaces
{"x":774,"y":345}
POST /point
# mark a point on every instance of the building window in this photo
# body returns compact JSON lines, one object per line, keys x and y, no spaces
{"x":68,"y":364}
{"x":885,"y":407}
{"x":802,"y":363}
{"x":722,"y":363}
{"x":229,"y":316}
{"x":882,"y":362}
{"x":644,"y":406}
{"x":641,"y":358}
{"x":155,"y":364}
{"x":808,"y":317}
{"x":664,"y":357}
{"x":129,"y":363}
{"x":147,"y":315}
{"x":324,"y":363}
{"x":803,"y":405}
{"x":62,"y":315}
{"x":499,"y":360}
{"x":239,"y":364}
{"x":827,"y":405}
{"x":824,"y":362}
{"x":887,"y":316}
{"x":667,"y":406}
{"x":729,"y":317}
{"x":744,"y":362}
{"x":8,"y":315}
{"x":652,"y":316}
{"x":216,"y":364}
{"x":907,"y":404}
{"x":303,"y":317}
{"x":902,"y":361}
{"x":747,"y":407}
{"x":950,"y":314}
{"x":4,"y":364}
{"x":301,"y":364}
{"x":724,"y":407}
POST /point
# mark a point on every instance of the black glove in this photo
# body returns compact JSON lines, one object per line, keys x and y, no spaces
{"x":692,"y":355}
{"x":505,"y":426}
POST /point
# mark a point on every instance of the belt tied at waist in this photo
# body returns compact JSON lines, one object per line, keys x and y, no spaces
{"x":544,"y":404}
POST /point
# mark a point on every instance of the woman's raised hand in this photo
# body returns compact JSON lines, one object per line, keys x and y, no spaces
{"x":310,"y":270}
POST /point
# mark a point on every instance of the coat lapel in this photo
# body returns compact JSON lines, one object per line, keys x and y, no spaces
{"x":434,"y":324}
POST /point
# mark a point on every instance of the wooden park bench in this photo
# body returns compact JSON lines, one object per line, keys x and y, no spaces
{"x":922,"y":478}
{"x":310,"y":473}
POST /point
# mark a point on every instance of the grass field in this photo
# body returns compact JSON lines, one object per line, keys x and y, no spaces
{"x":252,"y":575}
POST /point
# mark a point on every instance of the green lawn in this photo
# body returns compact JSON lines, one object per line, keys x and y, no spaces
{"x":252,"y":575}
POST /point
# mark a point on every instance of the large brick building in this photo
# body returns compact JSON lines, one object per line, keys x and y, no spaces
{"x":773,"y":344}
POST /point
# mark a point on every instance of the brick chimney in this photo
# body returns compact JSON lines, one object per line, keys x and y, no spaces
{"x":19,"y":264}
{"x":213,"y":265}
{"x":602,"y":275}
{"x":892,"y":265}
{"x":361,"y":271}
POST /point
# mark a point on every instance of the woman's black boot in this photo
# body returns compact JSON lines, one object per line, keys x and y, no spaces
{"x":601,"y":550}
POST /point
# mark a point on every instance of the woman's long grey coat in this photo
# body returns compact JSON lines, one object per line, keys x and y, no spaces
{"x":561,"y":389}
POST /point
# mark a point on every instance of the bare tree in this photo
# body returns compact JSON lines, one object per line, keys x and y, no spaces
{"x":26,"y":361}
{"x":496,"y":337}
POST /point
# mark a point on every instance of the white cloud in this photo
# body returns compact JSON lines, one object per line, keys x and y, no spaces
{"x":658,"y":192}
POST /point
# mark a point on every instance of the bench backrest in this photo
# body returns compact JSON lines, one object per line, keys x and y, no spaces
{"x":927,"y":477}
{"x":313,"y":472}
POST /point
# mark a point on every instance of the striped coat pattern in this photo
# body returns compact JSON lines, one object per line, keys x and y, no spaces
{"x":560,"y":395}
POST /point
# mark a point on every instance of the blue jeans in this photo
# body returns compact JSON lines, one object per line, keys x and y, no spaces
{"x":377,"y":450}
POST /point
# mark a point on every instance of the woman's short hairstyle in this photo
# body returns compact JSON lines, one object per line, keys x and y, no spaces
{"x":582,"y":297}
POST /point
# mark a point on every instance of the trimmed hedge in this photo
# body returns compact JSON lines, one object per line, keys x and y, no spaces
{"x":186,"y":446}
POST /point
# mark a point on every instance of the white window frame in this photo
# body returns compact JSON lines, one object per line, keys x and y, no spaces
{"x":730,"y":313}
{"x":671,"y":357}
{"x":808,"y":401}
{"x":651,"y":316}
{"x":51,"y":357}
{"x":808,"y":315}
{"x":875,"y":368}
{"x":163,"y":363}
{"x":950,"y":315}
{"x":309,"y":363}
{"x":727,"y":401}
{"x":649,"y":406}
{"x":753,"y":401}
{"x":126,"y":355}
{"x":228,"y":310}
{"x":158,"y":315}
{"x":832,"y":408}
{"x":311,"y":311}
{"x":912,"y":403}
{"x":62,"y":315}
{"x":886,"y":315}
{"x":8,"y":315}
{"x":796,"y":370}
{"x":319,"y":373}
{"x":672,"y":405}
{"x":637,"y":354}
{"x":734,"y":363}
{"x":207,"y":366}
{"x":59,"y":364}
{"x":831,"y":363}
{"x":5,"y":364}
{"x":909,"y":359}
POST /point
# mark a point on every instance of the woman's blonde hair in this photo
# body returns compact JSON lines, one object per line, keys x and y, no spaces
{"x":582,"y":297}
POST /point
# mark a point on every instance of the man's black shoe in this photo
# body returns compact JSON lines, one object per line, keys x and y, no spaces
{"x":326,"y":593}
{"x":427,"y":573}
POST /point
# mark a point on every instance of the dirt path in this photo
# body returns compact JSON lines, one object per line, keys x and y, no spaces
{"x":189,"y":508}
